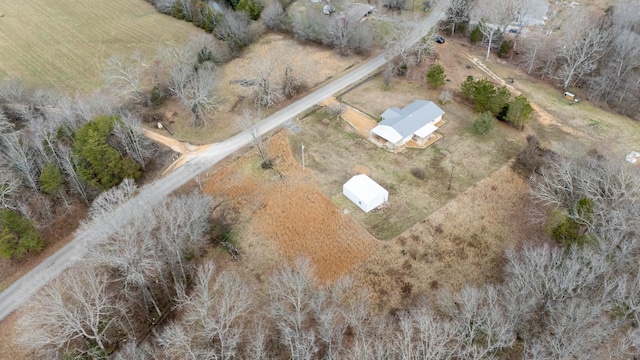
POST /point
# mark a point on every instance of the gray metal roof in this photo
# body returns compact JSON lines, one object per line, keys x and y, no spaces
{"x":412,"y":117}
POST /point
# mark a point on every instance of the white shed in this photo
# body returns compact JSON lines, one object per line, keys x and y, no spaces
{"x":364,"y":192}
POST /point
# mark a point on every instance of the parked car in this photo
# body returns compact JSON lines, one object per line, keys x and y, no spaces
{"x":439,"y":39}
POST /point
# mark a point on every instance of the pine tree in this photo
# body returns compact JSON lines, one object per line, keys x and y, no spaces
{"x":436,"y":76}
{"x":100,"y":164}
{"x":519,"y":112}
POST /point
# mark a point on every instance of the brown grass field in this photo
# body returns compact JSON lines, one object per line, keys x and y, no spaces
{"x":64,"y":43}
{"x":283,"y":214}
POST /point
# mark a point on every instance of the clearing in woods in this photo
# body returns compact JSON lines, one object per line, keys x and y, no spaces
{"x":65,"y":43}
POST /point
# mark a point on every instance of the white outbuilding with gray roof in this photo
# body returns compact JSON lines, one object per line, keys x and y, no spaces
{"x":365,"y":193}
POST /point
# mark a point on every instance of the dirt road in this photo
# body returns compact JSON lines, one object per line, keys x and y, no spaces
{"x":194,"y":163}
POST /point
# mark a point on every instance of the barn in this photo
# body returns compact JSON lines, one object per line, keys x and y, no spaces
{"x":365,"y":193}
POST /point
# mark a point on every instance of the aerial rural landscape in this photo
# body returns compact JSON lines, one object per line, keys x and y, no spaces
{"x":319,"y":179}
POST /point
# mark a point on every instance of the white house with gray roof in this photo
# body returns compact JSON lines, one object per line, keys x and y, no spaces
{"x":415,"y":121}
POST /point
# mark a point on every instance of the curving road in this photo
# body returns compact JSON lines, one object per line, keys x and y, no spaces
{"x":22,"y":289}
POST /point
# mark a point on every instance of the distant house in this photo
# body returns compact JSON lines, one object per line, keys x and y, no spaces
{"x":365,"y":193}
{"x":416,"y":121}
{"x":359,"y":12}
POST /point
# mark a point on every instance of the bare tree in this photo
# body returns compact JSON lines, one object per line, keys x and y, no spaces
{"x":74,"y":316}
{"x":268,"y":93}
{"x":17,"y":150}
{"x":129,"y":140}
{"x":479,"y":317}
{"x":69,"y":168}
{"x":490,"y":16}
{"x":213,"y":313}
{"x":291,"y":291}
{"x":459,"y":12}
{"x":109,"y":200}
{"x":9,"y":186}
{"x":13,"y":91}
{"x":622,"y":58}
{"x":195,"y":89}
{"x":126,"y":76}
{"x":250,"y":121}
{"x":307,"y":26}
{"x":583,"y":44}
{"x":234,"y":29}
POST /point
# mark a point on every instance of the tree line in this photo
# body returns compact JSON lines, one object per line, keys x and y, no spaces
{"x":146,"y":293}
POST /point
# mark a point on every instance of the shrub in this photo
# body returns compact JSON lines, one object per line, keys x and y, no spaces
{"x":419,"y":173}
{"x":436,"y":76}
{"x":505,"y":48}
{"x":484,"y":123}
{"x":445,"y":97}
{"x":156,"y":96}
{"x":476,"y":35}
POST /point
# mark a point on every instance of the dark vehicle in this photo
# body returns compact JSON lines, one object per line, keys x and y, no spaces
{"x":439,"y":39}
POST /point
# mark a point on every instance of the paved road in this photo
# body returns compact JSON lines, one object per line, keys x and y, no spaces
{"x":20,"y":291}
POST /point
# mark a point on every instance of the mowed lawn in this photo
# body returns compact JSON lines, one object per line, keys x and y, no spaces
{"x":65,"y":43}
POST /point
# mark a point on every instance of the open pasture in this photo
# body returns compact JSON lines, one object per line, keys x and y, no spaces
{"x":65,"y":43}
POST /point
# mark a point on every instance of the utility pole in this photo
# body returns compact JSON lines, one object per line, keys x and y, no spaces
{"x":450,"y":177}
{"x":302,"y":157}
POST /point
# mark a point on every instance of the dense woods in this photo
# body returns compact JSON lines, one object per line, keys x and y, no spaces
{"x":56,"y":152}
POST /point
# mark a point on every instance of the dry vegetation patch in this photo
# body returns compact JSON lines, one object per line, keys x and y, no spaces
{"x":283,"y":214}
{"x":461,"y":243}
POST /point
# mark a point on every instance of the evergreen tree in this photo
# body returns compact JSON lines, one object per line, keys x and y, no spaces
{"x":100,"y":164}
{"x":483,"y":95}
{"x":476,"y":34}
{"x":51,"y":179}
{"x":250,"y":7}
{"x":436,"y":76}
{"x":500,"y":100}
{"x":17,"y":236}
{"x":519,"y":112}
{"x":468,"y":87}
{"x":484,"y":123}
